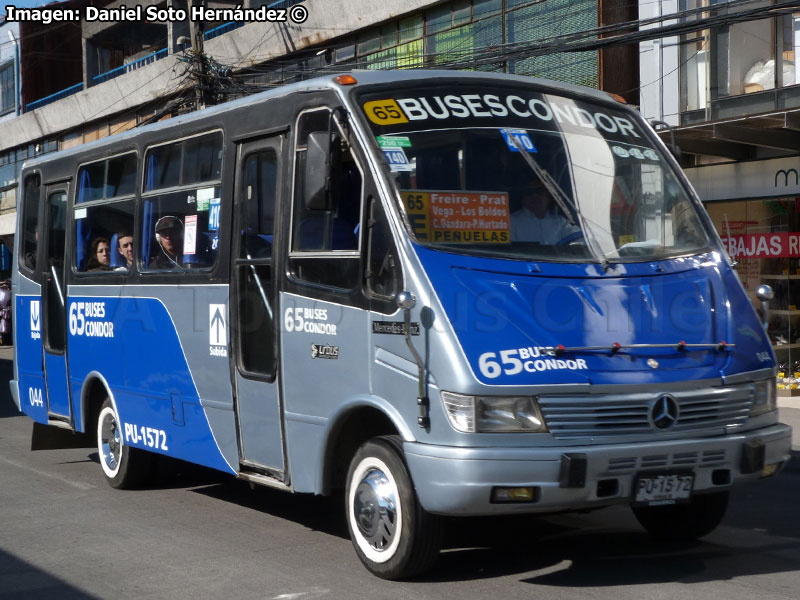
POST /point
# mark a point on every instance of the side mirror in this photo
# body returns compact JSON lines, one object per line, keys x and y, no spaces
{"x":765,"y":294}
{"x":323,"y":161}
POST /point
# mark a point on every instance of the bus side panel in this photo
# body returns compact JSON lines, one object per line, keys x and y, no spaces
{"x":28,"y":333}
{"x":133,"y":343}
{"x":324,"y":362}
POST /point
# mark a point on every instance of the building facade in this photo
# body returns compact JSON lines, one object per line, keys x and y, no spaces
{"x":729,"y":85}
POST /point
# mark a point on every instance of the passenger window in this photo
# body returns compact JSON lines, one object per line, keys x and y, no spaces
{"x":104,"y":237}
{"x":121,"y":176}
{"x":30,"y":235}
{"x":180,"y":228}
{"x":202,"y":159}
{"x":163,"y":167}
{"x":326,"y":243}
{"x":183,"y":163}
{"x":105,"y":179}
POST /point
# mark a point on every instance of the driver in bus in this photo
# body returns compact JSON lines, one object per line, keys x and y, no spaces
{"x":539,"y":220}
{"x":169,"y":235}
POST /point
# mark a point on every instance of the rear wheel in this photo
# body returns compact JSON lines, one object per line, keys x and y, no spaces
{"x":393,"y":535}
{"x":123,"y":466}
{"x":699,"y":517}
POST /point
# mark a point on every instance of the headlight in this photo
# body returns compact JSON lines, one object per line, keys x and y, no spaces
{"x":764,"y":397}
{"x":493,"y":414}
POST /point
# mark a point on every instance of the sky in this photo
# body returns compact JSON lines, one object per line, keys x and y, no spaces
{"x":24,"y":3}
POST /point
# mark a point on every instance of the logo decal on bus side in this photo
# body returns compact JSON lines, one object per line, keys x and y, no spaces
{"x":324,"y":351}
{"x":217,"y":330}
{"x":394,"y":327}
{"x":36,"y":323}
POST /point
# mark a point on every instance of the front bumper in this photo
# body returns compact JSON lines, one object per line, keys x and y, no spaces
{"x":458,"y":481}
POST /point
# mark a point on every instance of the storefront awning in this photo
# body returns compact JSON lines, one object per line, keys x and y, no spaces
{"x":740,"y":138}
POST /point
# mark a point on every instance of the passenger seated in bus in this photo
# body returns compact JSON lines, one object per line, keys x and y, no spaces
{"x":125,"y":248}
{"x":539,"y":220}
{"x":99,"y":255}
{"x":169,"y":235}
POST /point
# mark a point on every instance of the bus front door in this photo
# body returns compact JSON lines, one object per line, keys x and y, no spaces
{"x":54,"y":296}
{"x":253,"y":297}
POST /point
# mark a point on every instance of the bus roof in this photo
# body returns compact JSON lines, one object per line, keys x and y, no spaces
{"x":363,"y":78}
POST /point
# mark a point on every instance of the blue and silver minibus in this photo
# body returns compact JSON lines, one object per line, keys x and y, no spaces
{"x":441,"y":293}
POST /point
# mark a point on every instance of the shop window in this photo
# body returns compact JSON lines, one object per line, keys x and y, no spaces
{"x":369,"y":42}
{"x":410,"y":28}
{"x":7,"y":88}
{"x":761,"y":236}
{"x":484,"y":8}
{"x":790,"y":46}
{"x":745,"y":57}
{"x":437,"y":19}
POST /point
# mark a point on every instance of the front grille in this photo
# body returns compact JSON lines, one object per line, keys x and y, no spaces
{"x":607,"y":415}
{"x":679,"y":461}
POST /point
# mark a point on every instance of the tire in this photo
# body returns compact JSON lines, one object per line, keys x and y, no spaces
{"x":123,"y":466}
{"x":689,"y":521}
{"x":392,"y":534}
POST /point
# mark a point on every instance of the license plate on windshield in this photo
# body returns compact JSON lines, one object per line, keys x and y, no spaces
{"x":663,"y":489}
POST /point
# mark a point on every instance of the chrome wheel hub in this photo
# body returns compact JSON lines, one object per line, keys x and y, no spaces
{"x":375,"y":509}
{"x":110,"y":443}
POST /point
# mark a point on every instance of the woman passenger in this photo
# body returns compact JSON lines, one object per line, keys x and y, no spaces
{"x":99,"y":255}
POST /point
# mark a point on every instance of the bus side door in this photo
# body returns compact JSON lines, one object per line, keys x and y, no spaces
{"x":255,"y":336}
{"x":54,"y":296}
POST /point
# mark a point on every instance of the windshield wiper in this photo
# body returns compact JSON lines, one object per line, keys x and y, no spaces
{"x":561,"y":198}
{"x":552,"y":186}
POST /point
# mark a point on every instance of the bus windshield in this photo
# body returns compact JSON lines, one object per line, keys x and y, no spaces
{"x":517,"y":173}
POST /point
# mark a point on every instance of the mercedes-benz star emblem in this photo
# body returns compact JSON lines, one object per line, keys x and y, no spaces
{"x":664,"y":413}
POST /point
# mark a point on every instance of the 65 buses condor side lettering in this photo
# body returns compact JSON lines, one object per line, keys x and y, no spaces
{"x":442,"y":293}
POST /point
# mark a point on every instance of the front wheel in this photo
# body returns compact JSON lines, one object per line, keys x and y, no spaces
{"x":393,"y":535}
{"x":123,"y":466}
{"x":699,"y":517}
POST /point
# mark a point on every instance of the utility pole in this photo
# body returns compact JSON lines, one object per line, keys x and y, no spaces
{"x":199,"y":72}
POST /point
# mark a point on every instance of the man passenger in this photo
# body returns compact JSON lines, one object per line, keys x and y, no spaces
{"x":125,"y":248}
{"x":169,"y":235}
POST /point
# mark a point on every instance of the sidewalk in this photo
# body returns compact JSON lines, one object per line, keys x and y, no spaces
{"x":785,"y":402}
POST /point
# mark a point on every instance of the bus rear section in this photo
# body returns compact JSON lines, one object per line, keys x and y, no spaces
{"x":449,"y":295}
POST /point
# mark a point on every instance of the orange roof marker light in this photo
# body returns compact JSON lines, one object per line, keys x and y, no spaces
{"x":617,"y":97}
{"x":345,"y":79}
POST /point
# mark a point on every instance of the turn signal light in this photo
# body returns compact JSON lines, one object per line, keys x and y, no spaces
{"x":345,"y":79}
